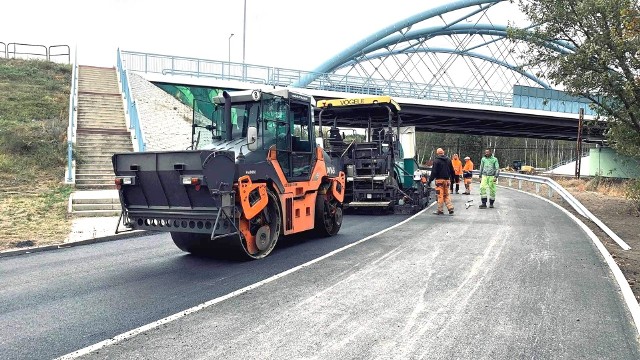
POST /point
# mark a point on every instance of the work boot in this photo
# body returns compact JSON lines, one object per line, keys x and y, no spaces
{"x":483,"y":205}
{"x":438,"y":213}
{"x":457,"y":189}
{"x":491,"y":203}
{"x":451,"y":212}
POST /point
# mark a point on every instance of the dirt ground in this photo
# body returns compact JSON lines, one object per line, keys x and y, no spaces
{"x":608,"y":203}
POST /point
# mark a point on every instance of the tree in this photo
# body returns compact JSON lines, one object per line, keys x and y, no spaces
{"x":592,"y":49}
{"x":535,"y":152}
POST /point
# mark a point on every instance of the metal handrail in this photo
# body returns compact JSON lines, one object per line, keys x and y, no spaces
{"x":132,"y":109}
{"x":565,"y":162}
{"x":575,"y":203}
{"x":225,"y":70}
{"x":67,"y":54}
{"x":71,"y":129}
{"x":6,"y":50}
{"x":15,"y":51}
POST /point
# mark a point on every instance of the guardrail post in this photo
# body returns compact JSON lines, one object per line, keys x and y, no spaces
{"x":509,"y":182}
{"x":550,"y":192}
{"x":537,"y":188}
{"x":520,"y":184}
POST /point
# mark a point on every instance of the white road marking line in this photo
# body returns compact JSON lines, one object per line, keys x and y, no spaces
{"x":627,"y":293}
{"x":131,"y":333}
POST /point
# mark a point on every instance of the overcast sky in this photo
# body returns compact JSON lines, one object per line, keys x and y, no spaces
{"x":285,"y":33}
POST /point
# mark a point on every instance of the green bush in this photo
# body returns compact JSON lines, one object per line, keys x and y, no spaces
{"x":594,"y":183}
{"x":633,"y":192}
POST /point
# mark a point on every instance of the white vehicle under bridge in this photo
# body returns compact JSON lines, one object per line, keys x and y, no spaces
{"x":366,"y":139}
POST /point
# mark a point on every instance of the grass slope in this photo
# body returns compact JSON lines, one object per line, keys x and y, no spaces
{"x":34,"y":100}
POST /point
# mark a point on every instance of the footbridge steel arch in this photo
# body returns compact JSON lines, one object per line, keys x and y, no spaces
{"x":472,"y":54}
{"x":454,"y":46}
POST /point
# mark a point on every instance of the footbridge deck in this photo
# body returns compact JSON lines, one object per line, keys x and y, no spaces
{"x":440,"y":116}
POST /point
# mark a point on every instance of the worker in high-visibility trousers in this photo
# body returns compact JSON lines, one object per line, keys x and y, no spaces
{"x":489,"y":172}
{"x":467,"y":175}
{"x":457,"y":167}
{"x":442,"y":171}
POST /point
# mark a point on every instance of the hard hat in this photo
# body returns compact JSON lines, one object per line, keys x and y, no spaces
{"x":467,"y":158}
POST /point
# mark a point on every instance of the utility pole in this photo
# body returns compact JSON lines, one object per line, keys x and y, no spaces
{"x":579,"y":143}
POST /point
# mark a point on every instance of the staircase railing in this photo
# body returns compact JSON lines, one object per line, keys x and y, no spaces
{"x":565,"y":162}
{"x":73,"y":116}
{"x":132,"y":110}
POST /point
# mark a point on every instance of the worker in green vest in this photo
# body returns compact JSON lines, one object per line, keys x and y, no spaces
{"x":489,"y":171}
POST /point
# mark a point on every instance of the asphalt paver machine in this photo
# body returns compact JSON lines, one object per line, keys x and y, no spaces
{"x":364,"y":141}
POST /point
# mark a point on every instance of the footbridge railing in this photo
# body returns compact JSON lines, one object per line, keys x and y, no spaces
{"x":275,"y":76}
{"x":570,"y":199}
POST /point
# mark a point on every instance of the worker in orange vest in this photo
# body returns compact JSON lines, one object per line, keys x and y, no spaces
{"x":442,"y":172}
{"x":467,"y":175}
{"x":457,"y":167}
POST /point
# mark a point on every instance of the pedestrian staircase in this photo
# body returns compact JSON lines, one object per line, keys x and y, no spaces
{"x":95,"y":203}
{"x":101,"y":132}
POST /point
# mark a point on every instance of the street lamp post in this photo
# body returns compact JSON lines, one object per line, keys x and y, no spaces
{"x":244,"y":37}
{"x":230,"y":36}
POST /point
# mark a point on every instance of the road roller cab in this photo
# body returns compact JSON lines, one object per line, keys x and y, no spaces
{"x":254,"y":174}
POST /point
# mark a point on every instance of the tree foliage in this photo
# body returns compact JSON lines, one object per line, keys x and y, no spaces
{"x":538,"y":153}
{"x":592,"y":49}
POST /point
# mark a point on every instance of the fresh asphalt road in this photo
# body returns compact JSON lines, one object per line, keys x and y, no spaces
{"x":55,"y":302}
{"x":518,"y":281}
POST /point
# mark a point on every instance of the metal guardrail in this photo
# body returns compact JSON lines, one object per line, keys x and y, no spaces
{"x":274,"y":76}
{"x":14,"y":50}
{"x":73,"y":115}
{"x":67,"y":54}
{"x":132,"y":110}
{"x":575,"y":203}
